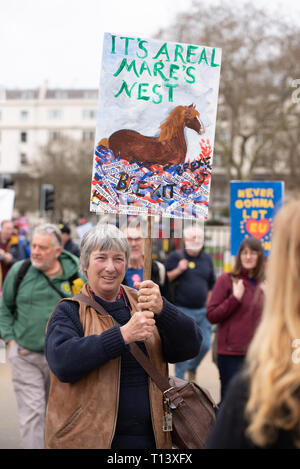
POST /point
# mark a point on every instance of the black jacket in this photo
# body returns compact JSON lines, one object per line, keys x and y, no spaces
{"x":72,"y":247}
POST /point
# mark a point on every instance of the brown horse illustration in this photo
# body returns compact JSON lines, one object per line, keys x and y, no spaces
{"x":169,"y":148}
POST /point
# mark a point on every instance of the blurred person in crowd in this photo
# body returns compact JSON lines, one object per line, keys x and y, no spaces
{"x":262,"y":406}
{"x":21,"y":239}
{"x":10,"y":251}
{"x":134,"y":272}
{"x":235,"y":305}
{"x":100,"y":396}
{"x":192,"y":278}
{"x":51,"y":274}
{"x":22,"y":222}
{"x":68,"y":243}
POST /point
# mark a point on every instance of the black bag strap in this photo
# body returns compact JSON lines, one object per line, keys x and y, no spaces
{"x":20,"y":275}
{"x":52,"y":285}
{"x":70,"y":279}
{"x":73,"y":277}
{"x":161,"y":381}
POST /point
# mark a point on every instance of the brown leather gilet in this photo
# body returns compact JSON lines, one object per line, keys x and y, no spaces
{"x":83,"y":414}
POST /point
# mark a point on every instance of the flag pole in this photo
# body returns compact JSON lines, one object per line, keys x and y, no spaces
{"x":148,"y":252}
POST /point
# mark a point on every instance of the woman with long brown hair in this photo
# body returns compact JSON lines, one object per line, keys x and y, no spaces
{"x":262,"y":406}
{"x":236,"y":305}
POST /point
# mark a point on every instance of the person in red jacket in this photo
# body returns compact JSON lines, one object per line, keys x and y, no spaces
{"x":236,"y":305}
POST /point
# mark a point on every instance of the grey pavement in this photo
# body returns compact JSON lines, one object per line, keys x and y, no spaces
{"x":9,"y":430}
{"x":207,"y":377}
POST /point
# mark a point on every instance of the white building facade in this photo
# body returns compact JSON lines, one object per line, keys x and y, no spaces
{"x":29,"y":119}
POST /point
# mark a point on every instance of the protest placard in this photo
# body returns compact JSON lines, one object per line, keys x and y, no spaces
{"x":7,"y":198}
{"x":155,"y":129}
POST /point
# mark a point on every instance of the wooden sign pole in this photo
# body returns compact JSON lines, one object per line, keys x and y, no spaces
{"x":148,"y":252}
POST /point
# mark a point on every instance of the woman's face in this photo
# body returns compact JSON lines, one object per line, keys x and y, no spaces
{"x":105,"y":273}
{"x":249,"y":258}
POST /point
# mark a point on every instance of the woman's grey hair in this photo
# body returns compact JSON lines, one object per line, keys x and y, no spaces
{"x":104,"y":237}
{"x":49,"y":228}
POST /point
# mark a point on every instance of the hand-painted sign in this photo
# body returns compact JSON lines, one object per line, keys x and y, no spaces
{"x":253,"y":205}
{"x":155,"y":129}
{"x":7,"y":198}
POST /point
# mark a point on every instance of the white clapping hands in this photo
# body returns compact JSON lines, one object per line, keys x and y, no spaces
{"x":183,"y":265}
{"x":238,"y":289}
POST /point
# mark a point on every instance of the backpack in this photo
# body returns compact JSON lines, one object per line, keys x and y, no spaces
{"x":159,"y":276}
{"x":75,"y":281}
{"x":173,"y":285}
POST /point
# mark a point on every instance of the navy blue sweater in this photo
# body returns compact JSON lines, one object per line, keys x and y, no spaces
{"x":71,"y":356}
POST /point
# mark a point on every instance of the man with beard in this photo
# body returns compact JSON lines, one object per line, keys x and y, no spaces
{"x":51,"y":275}
{"x":192,"y":273}
{"x":135,"y":268}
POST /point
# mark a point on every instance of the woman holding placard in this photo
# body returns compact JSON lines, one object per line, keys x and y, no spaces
{"x":236,"y":305}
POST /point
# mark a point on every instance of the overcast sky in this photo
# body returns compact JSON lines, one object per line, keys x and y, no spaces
{"x":61,"y":40}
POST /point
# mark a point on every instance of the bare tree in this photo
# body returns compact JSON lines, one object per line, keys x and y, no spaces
{"x":256,"y":116}
{"x":67,"y":164}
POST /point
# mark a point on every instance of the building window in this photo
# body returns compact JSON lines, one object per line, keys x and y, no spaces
{"x":89,"y":114}
{"x":90,"y":94}
{"x":217,"y":160}
{"x":88,"y":135}
{"x":54,"y":135}
{"x":24,"y":115}
{"x":55,"y":114}
{"x":23,"y":158}
{"x":61,"y":94}
{"x":225,"y":135}
{"x":28,"y":94}
{"x":23,"y":137}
